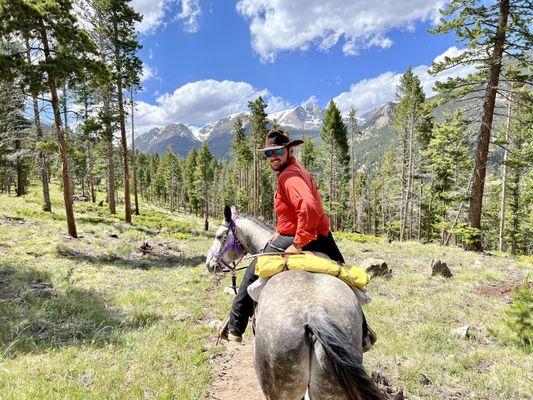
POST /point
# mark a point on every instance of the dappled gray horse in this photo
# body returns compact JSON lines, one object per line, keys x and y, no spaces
{"x":308,"y":326}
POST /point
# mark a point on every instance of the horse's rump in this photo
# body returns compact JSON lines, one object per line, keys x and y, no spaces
{"x":308,"y":334}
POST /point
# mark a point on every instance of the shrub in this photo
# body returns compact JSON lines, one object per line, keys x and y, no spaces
{"x":518,"y":315}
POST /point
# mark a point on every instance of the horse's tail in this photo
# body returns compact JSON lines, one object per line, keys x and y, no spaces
{"x":345,"y":360}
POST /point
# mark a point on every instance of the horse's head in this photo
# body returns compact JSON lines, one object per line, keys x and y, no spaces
{"x":226,"y":247}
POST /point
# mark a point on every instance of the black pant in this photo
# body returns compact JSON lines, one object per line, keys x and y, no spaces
{"x":243,"y":305}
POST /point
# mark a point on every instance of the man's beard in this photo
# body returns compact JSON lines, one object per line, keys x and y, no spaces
{"x":281,"y":166}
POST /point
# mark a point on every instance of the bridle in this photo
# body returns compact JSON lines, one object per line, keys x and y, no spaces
{"x":233,"y":244}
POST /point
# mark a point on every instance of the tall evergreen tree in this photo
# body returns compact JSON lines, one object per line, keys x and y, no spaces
{"x":336,"y":159}
{"x":65,"y":51}
{"x":243,"y":157}
{"x":490,"y":31}
{"x":203,"y":178}
{"x":119,"y":19}
{"x":355,"y":133}
{"x":412,"y":120}
{"x":258,"y":132}
{"x":447,"y":158}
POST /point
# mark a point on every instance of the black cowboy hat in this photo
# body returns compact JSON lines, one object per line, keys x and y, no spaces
{"x":277,"y":139}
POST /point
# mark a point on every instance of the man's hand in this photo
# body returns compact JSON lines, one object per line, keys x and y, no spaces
{"x":292,"y":249}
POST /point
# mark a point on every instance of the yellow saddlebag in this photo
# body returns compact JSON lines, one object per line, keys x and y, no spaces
{"x":269,"y":265}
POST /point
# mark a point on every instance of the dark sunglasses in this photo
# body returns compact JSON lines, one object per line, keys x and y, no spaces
{"x":270,"y":153}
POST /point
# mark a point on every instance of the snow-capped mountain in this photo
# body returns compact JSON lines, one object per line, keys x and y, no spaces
{"x":157,"y":140}
{"x":304,"y":120}
{"x":302,"y":117}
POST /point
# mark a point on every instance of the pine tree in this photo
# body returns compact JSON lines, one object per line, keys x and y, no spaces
{"x":14,"y":132}
{"x":447,"y":159}
{"x":188,"y":175}
{"x":520,"y":227}
{"x":243,"y":157}
{"x":490,"y":32}
{"x":65,"y":51}
{"x":258,"y":132}
{"x":355,"y":133}
{"x":412,"y":120}
{"x":203,"y":178}
{"x":47,"y":204}
{"x":118,"y":21}
{"x":309,"y":155}
{"x":336,"y":159}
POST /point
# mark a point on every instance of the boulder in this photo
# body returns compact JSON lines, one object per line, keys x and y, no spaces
{"x":376,"y":267}
{"x":462,"y":332}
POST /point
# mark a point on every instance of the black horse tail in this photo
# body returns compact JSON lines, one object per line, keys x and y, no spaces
{"x":345,"y":360}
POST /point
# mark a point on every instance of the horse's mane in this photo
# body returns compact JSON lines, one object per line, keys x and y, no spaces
{"x":257,"y":221}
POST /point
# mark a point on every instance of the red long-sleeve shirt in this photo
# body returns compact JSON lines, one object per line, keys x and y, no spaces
{"x":298,"y":205}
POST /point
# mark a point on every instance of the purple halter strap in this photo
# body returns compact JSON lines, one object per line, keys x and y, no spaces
{"x":234,"y":244}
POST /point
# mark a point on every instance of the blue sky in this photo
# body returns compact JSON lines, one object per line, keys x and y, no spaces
{"x":205,"y":59}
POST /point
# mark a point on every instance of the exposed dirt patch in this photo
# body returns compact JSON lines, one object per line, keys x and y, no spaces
{"x":501,"y":289}
{"x":234,"y":373}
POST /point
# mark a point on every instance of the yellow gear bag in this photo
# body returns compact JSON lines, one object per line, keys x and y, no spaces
{"x":269,"y":265}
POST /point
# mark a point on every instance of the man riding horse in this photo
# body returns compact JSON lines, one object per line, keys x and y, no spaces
{"x":301,"y":225}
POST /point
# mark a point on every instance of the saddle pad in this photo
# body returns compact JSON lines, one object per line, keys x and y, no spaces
{"x":270,"y":265}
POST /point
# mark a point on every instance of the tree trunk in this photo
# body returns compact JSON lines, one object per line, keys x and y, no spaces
{"x":407,"y":206}
{"x":90,"y":176}
{"x":108,"y":129}
{"x":133,"y":164}
{"x":20,"y":170}
{"x":67,"y":190}
{"x":501,"y":244}
{"x":65,"y":129}
{"x":403,"y":186}
{"x":123,"y":140}
{"x":47,"y":206}
{"x":256,"y":180}
{"x":515,"y":220}
{"x":111,"y":174}
{"x":476,"y":202}
{"x":419,"y":228}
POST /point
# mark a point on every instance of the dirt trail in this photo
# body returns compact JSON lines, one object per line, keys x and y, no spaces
{"x":234,"y":373}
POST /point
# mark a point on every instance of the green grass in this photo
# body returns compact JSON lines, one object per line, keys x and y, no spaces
{"x":94,"y":318}
{"x":107,"y":321}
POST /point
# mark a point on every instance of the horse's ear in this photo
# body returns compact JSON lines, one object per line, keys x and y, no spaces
{"x":227,"y":214}
{"x":233,"y":210}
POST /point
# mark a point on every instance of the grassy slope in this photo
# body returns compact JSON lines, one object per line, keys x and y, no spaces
{"x":112,"y":323}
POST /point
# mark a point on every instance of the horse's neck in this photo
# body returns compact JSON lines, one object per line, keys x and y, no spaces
{"x":252,"y":235}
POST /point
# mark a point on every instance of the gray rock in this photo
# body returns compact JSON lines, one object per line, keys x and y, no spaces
{"x":462,"y":333}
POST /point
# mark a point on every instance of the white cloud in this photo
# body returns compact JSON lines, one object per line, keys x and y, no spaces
{"x":281,"y":25}
{"x":202,"y":102}
{"x":148,"y":73}
{"x":154,"y":13}
{"x":370,"y":93}
{"x":190,"y":11}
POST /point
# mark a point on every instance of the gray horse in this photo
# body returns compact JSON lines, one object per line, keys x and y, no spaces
{"x":308,"y":326}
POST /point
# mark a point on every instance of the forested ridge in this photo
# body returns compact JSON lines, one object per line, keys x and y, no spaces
{"x":70,"y":72}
